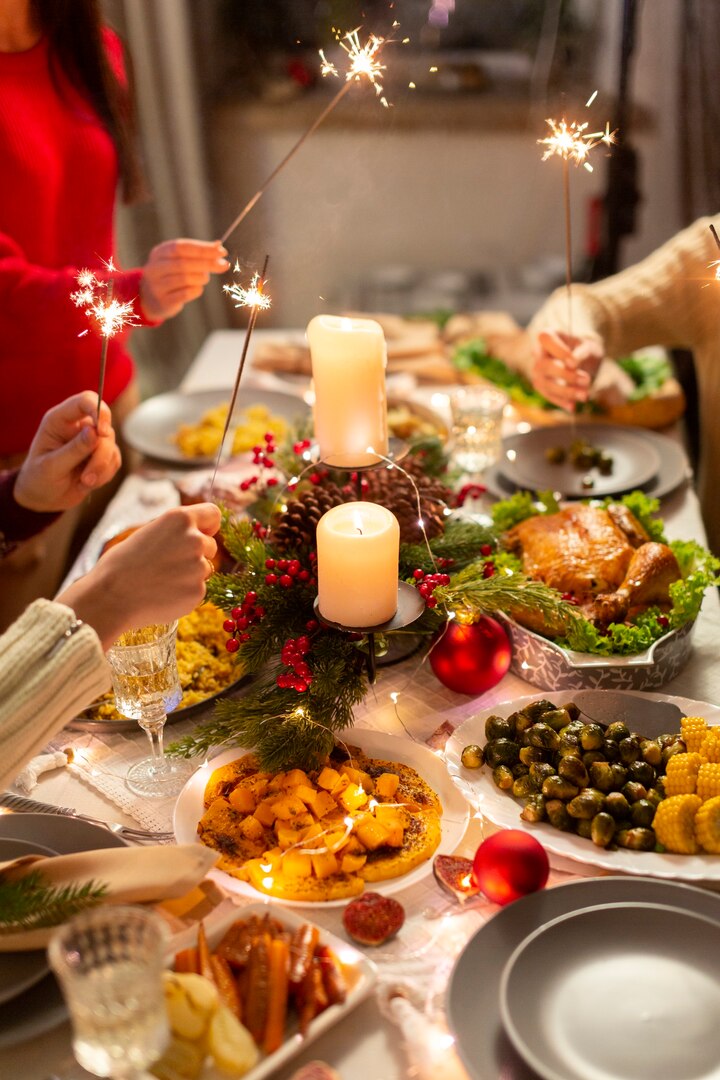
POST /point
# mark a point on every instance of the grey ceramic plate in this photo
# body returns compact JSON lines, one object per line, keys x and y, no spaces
{"x":658,"y":965}
{"x":41,"y":1008}
{"x":153,"y":425}
{"x":20,"y":971}
{"x":523,"y":461}
{"x":473,"y":992}
{"x":674,"y":470}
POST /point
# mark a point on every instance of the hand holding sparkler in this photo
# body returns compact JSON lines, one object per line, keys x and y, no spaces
{"x":565,"y":366}
{"x":176,"y":273}
{"x":69,"y":456}
{"x":364,"y":63}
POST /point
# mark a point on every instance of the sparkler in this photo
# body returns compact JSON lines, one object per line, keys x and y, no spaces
{"x":572,"y":143}
{"x":256,"y":299}
{"x":364,"y":63}
{"x":108,"y":314}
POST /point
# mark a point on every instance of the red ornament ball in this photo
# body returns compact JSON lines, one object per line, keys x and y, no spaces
{"x":510,"y":864}
{"x":471,"y":658}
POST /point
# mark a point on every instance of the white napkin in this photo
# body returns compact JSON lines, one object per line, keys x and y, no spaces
{"x":131,"y":876}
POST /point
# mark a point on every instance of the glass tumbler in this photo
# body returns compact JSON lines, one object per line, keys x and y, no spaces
{"x":109,"y":963}
{"x":477,"y":414}
{"x":147,"y":687}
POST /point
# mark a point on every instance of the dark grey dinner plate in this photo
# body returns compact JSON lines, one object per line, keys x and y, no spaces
{"x":473,"y":1001}
{"x":524,"y":461}
{"x":20,"y":971}
{"x":40,"y":1007}
{"x":674,"y":470}
{"x":152,"y":427}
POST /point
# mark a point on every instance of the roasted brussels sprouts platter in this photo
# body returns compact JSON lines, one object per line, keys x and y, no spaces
{"x":502,"y":809}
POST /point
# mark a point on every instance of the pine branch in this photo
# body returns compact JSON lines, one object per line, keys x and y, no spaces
{"x":460,"y":543}
{"x":513,"y":594}
{"x":31,"y":903}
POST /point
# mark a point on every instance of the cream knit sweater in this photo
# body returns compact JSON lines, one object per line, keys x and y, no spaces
{"x":661,"y":301}
{"x":51,"y":666}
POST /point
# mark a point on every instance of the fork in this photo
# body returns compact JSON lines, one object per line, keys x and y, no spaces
{"x":29,"y":806}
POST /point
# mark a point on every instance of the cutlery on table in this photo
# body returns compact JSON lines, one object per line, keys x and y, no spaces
{"x":21,"y":805}
{"x":644,"y":715}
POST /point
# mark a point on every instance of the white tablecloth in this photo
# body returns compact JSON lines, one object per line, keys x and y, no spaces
{"x":407,"y":700}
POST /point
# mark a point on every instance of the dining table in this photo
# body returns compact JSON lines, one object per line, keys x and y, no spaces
{"x":378,"y":1039}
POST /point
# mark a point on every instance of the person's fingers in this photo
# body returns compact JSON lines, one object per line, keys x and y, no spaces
{"x":557,"y":345}
{"x":190,"y":252}
{"x":173,"y":277}
{"x":72,"y":453}
{"x":206,"y":517}
{"x":102,"y":466}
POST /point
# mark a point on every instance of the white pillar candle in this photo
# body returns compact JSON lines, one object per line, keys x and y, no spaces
{"x":358,"y":546}
{"x":349,"y":357}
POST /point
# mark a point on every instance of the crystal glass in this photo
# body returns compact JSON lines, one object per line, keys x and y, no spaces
{"x":477,"y":414}
{"x":147,"y":687}
{"x":109,"y":962}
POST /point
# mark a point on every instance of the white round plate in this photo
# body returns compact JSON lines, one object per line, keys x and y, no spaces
{"x":152,"y":427}
{"x":503,"y":810}
{"x":656,"y":964}
{"x":456,"y":812}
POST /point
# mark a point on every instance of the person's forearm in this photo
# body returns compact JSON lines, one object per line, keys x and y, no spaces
{"x":51,"y":667}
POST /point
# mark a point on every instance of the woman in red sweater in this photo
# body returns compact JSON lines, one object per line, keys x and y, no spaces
{"x":66,"y":140}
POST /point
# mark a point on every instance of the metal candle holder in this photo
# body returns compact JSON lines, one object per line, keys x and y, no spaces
{"x":410,"y":607}
{"x":398,"y":450}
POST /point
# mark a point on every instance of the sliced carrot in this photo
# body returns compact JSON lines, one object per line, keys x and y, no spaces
{"x":277,"y":996}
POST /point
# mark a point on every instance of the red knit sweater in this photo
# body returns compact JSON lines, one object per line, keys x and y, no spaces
{"x":58,"y":175}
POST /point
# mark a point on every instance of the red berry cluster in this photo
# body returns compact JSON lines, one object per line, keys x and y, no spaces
{"x":352,"y":488}
{"x":261,"y":457}
{"x":287,"y":572}
{"x":240,"y":621}
{"x":488,"y":569}
{"x":293,"y":655}
{"x":570,"y":598}
{"x":301,"y":446}
{"x":662,"y":620}
{"x":428,"y":583}
{"x":469,"y":491}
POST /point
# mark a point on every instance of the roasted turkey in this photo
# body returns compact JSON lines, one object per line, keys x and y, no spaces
{"x":603,"y":559}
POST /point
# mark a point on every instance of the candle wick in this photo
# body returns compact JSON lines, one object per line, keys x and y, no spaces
{"x":359,"y":529}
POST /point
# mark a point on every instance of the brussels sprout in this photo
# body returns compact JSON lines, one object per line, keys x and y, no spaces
{"x":629,"y":749}
{"x":656,"y":794}
{"x":536,"y":709}
{"x":642,"y":772}
{"x":651,"y":752}
{"x":557,"y":719}
{"x":530,"y":754}
{"x":670,"y":740}
{"x":557,"y":815}
{"x":671,"y":750}
{"x":610,"y":749}
{"x":573,"y":728}
{"x":601,"y":776}
{"x":642,"y":813}
{"x":542,"y":735}
{"x":591,"y":756}
{"x":572,"y":769}
{"x":602,"y":829}
{"x":569,"y":744}
{"x":587,"y":804}
{"x":534,"y":808}
{"x":472,"y":756}
{"x":634,"y":791}
{"x":554,"y":787}
{"x":501,"y":752}
{"x":521,"y":721}
{"x":520,"y":769}
{"x":540,"y":770}
{"x":619,"y":775}
{"x":524,"y":786}
{"x":499,"y":727}
{"x":636,"y":839}
{"x":583,"y":827}
{"x":503,"y":777}
{"x":572,"y":710}
{"x":617,"y":805}
{"x":617,"y":731}
{"x":592,"y":737}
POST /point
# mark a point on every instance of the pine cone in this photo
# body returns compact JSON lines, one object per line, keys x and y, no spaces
{"x":393,"y":489}
{"x":294,"y":530}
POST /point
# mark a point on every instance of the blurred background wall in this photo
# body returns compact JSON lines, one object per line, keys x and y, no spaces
{"x":439,"y":201}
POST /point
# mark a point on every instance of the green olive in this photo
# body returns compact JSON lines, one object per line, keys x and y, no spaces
{"x":472,"y":756}
{"x":534,"y":808}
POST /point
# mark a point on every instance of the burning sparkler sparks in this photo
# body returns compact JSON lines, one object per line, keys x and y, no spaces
{"x":364,"y":63}
{"x":108,"y":314}
{"x":252,"y":297}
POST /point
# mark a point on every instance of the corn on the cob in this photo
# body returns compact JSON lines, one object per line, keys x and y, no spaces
{"x":707,"y":825}
{"x":681,"y":774}
{"x":708,"y":780}
{"x":674,"y":823}
{"x":710,"y":746}
{"x":693,"y":730}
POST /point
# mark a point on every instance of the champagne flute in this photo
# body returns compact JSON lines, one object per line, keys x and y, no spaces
{"x":147,"y":687}
{"x":109,"y":962}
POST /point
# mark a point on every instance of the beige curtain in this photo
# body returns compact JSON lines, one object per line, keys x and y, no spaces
{"x":158,"y":35}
